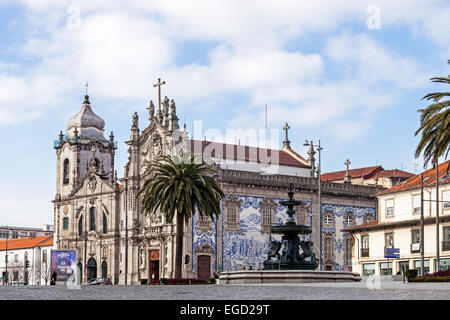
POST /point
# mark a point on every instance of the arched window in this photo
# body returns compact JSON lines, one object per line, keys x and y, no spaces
{"x":80,"y":226}
{"x":66,"y":171}
{"x":105,"y":224}
{"x":328,"y":219}
{"x":349,"y":221}
{"x":65,"y":223}
{"x":368,"y":218}
{"x":92,"y":213}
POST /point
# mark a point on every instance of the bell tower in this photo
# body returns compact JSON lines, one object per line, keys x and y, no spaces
{"x":73,"y":150}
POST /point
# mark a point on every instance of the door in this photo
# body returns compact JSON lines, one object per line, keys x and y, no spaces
{"x":154,"y":271}
{"x":204,"y":267}
{"x":92,"y":269}
{"x":154,"y":266}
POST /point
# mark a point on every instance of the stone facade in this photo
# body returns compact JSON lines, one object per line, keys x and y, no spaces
{"x":99,"y":215}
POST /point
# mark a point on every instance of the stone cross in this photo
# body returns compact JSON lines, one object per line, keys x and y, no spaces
{"x":159,"y":84}
{"x":347,"y":163}
{"x":347,"y":178}
{"x":286,"y":128}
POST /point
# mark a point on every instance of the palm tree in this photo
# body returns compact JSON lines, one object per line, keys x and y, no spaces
{"x":435,"y":125}
{"x":179,"y":186}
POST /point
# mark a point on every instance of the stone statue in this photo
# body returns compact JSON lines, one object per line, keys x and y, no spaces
{"x":151,"y":110}
{"x":307,"y":251}
{"x":172,"y":108}
{"x":166,"y":105}
{"x":274,"y":247}
{"x":135,"y":120}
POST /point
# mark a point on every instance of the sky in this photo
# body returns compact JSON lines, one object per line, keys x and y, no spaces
{"x":350,"y":73}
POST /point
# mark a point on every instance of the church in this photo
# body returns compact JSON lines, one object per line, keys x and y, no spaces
{"x":98,"y":214}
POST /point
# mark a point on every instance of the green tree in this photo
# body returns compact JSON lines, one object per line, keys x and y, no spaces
{"x":435,"y":125}
{"x":179,"y":186}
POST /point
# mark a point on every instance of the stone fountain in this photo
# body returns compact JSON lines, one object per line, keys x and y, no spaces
{"x":290,"y":258}
{"x":289,"y":266}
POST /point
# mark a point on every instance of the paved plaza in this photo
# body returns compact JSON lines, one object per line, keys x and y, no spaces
{"x":384,"y":290}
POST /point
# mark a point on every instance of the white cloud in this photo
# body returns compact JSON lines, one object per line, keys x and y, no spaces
{"x":371,"y":63}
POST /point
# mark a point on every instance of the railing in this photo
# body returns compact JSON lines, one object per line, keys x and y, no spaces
{"x":446,"y":245}
{"x":73,"y":140}
{"x":364,"y":252}
{"x":255,"y":178}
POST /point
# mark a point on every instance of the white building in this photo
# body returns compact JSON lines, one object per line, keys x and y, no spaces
{"x":12,"y":232}
{"x":36,"y":250}
{"x":398,"y":226}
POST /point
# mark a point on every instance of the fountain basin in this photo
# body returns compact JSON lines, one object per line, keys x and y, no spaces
{"x":286,"y":276}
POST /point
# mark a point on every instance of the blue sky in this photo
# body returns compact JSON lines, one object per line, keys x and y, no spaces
{"x":351,"y":75}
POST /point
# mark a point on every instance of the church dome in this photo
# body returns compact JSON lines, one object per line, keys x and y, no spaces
{"x":88,"y":124}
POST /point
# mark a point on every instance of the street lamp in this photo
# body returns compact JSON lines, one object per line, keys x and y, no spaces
{"x":319,"y":149}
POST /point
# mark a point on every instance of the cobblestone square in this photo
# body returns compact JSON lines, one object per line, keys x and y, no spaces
{"x":384,"y":290}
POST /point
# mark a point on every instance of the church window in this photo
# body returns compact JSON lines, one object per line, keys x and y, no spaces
{"x":267,"y":215}
{"x":66,"y":171}
{"x":65,"y":223}
{"x":105,"y":224}
{"x":328,"y":248}
{"x":80,"y":226}
{"x":328,"y":219}
{"x":348,"y":251}
{"x":233,"y":205}
{"x":349,"y":221}
{"x":204,"y":223}
{"x":267,"y":209}
{"x":368,"y":218}
{"x":92,"y":213}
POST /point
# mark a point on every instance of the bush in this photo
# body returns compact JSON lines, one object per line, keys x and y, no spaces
{"x":212,"y":280}
{"x":163,"y":280}
{"x":441,"y":273}
{"x":144,"y":281}
{"x":411,"y":273}
{"x":430,"y":279}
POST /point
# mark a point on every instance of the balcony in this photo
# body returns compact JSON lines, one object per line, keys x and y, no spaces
{"x":415,"y":247}
{"x":446,"y":245}
{"x":364,"y":252}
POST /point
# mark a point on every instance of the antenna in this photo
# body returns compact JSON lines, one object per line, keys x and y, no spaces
{"x":266,"y":124}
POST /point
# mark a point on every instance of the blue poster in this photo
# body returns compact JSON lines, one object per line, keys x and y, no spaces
{"x":63,"y":262}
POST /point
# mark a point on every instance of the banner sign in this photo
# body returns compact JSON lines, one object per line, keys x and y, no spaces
{"x":62,"y":262}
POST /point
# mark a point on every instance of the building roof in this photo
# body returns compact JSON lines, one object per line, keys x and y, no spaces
{"x":394,"y":173}
{"x":245,"y":153}
{"x":24,"y":243}
{"x":375,"y":225}
{"x":364,"y":173}
{"x":429,"y":179}
{"x":88,"y":124}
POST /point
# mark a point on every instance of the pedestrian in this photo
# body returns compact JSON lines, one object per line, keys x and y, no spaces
{"x":53,"y":278}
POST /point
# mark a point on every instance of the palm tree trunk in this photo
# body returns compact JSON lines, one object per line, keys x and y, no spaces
{"x":179,"y":245}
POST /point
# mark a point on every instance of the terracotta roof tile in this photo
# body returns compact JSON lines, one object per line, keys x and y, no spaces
{"x":429,"y":179}
{"x":354,"y":173}
{"x":394,"y":173}
{"x":23,"y":243}
{"x":242,"y":153}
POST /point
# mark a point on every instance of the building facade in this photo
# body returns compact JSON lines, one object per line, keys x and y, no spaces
{"x":99,"y":215}
{"x":14,"y":254}
{"x":374,"y":176}
{"x":399,"y":226}
{"x":12,"y":232}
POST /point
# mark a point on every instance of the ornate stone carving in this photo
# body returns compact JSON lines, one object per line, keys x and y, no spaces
{"x":92,"y":183}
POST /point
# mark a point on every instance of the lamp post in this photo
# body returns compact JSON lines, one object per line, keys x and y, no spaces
{"x":319,"y":212}
{"x":6,"y":256}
